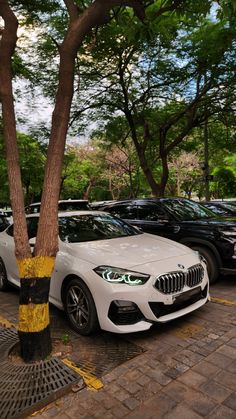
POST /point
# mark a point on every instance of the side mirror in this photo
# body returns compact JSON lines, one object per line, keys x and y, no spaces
{"x":137,"y":228}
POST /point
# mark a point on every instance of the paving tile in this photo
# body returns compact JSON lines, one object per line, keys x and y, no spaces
{"x":182,"y":411}
{"x":206,"y":368}
{"x":219,"y":359}
{"x":202,"y":404}
{"x":232,"y":367}
{"x":133,"y":375}
{"x":119,"y":412}
{"x":192,"y":379}
{"x":231,"y":334}
{"x":179,"y":392}
{"x":131,"y":403}
{"x":222,"y":412}
{"x":188,"y":357}
{"x":159,"y":377}
{"x":144,"y":380}
{"x":174,"y":372}
{"x":108,"y":401}
{"x":148,"y":391}
{"x":227,"y":379}
{"x":215,"y":391}
{"x":232,"y":342}
{"x":204,"y":351}
{"x":228,"y":351}
{"x":121,"y":395}
{"x":231,"y":401}
{"x":153,"y":408}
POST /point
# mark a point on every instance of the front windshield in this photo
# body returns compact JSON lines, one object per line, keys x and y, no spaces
{"x":88,"y":227}
{"x":186,"y":210}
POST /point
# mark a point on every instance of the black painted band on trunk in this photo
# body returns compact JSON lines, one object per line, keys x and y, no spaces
{"x":34,"y":290}
{"x":35,"y":345}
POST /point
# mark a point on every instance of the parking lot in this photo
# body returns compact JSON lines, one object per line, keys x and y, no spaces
{"x":183,"y":369}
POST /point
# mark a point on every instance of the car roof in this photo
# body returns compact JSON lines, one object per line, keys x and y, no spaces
{"x":70,"y":213}
{"x":61,"y":201}
{"x":151,"y":199}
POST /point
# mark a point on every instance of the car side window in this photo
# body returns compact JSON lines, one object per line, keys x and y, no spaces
{"x":128,"y":212}
{"x":32,"y":226}
{"x":151,"y":213}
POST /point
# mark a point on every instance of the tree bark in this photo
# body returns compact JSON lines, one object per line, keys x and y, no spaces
{"x":35,"y":270}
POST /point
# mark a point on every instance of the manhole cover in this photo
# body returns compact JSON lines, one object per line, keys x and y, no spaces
{"x":26,"y":388}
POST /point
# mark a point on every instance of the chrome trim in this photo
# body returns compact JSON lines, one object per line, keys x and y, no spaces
{"x":173,"y":282}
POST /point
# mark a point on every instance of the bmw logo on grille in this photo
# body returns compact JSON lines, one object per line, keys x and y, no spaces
{"x":181,"y":266}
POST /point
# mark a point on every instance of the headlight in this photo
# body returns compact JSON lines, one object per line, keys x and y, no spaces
{"x":121,"y":276}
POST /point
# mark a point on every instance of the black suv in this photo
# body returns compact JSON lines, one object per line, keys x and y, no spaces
{"x":187,"y":222}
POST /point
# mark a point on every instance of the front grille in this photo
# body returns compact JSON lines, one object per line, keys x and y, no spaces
{"x":175,"y":281}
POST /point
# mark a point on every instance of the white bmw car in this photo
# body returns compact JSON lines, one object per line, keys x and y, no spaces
{"x":110,"y":275}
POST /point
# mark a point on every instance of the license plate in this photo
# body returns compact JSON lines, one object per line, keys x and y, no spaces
{"x":186,"y":295}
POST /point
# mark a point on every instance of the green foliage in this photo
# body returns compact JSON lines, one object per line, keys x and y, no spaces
{"x":225,"y":185}
{"x":32,"y":162}
{"x":65,"y":339}
{"x":148,"y":72}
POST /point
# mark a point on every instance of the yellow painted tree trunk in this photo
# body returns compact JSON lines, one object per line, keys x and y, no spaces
{"x":34,"y":322}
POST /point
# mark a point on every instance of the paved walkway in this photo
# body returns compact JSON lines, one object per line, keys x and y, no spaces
{"x":186,"y":371}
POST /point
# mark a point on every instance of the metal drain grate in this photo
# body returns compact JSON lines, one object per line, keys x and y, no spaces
{"x":26,"y":388}
{"x":8,"y":338}
{"x":100,"y":354}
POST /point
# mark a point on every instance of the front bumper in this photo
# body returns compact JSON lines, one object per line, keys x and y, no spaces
{"x":144,"y":305}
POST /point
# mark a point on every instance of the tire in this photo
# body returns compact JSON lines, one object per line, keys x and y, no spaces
{"x":80,"y":308}
{"x":4,"y":284}
{"x":212,"y":265}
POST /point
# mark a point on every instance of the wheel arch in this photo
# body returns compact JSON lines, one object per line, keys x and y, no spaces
{"x":66,"y":281}
{"x":93,"y":323}
{"x":192,"y":241}
{"x":6,"y":284}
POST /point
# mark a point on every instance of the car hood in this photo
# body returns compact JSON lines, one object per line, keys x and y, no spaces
{"x":128,"y":252}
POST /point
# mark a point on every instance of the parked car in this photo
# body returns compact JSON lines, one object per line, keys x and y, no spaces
{"x":224,"y":209}
{"x":63,"y":205}
{"x":187,"y":222}
{"x":97,"y":204}
{"x":109,"y":274}
{"x":4,"y":222}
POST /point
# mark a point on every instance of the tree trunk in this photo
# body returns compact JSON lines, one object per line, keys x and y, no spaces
{"x":155,"y":187}
{"x":35,"y":270}
{"x":33,"y":329}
